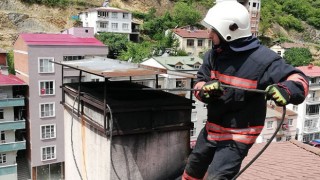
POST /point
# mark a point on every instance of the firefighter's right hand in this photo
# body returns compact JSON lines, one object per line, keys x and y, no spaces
{"x":211,"y":89}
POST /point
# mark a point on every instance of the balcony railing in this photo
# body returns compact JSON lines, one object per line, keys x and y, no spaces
{"x":313,"y":99}
{"x":12,"y":125}
{"x":9,"y":169}
{"x":11,"y":102}
{"x":12,"y":146}
{"x":311,"y":129}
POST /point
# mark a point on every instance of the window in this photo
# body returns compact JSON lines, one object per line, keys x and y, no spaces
{"x":87,"y":24}
{"x":209,"y":43}
{"x":114,"y":25}
{"x":196,"y":66}
{"x":193,"y":132}
{"x":3,"y":158}
{"x":48,"y":131}
{"x":254,"y":4}
{"x":72,"y":58}
{"x":46,"y":87}
{"x":190,"y":42}
{"x":86,"y":15}
{"x":114,"y":15}
{"x":200,"y":42}
{"x":313,"y":80}
{"x":1,"y":114}
{"x":295,"y":108}
{"x":125,"y":26}
{"x":312,"y":109}
{"x":316,"y":135}
{"x":95,"y":80}
{"x":125,"y":15}
{"x":2,"y":137}
{"x":290,"y":122}
{"x":45,"y":66}
{"x":102,"y":14}
{"x":47,"y":110}
{"x":48,"y":153}
{"x":180,"y":83}
{"x":103,"y":24}
{"x":288,"y":138}
{"x":178,"y":66}
{"x":269,"y":124}
{"x":279,"y":52}
{"x":194,"y":116}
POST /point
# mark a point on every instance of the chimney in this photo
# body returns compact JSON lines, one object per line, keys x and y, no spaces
{"x":310,"y":66}
{"x":4,"y":70}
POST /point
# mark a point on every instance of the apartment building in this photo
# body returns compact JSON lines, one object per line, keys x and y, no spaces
{"x":287,"y":130}
{"x":254,"y":7}
{"x":110,"y":19}
{"x":180,"y":74}
{"x":33,"y":57}
{"x":12,"y":123}
{"x":308,"y":127}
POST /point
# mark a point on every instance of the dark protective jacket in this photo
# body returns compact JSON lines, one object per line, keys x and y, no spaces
{"x":239,"y":115}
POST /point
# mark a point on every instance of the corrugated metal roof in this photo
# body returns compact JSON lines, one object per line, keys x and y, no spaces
{"x":59,"y":40}
{"x":187,"y":62}
{"x":10,"y":80}
{"x":108,"y":68}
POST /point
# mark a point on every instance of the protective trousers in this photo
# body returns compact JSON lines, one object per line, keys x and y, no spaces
{"x":222,"y":162}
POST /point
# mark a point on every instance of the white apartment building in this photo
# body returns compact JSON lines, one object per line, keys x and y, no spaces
{"x":110,"y":19}
{"x":308,"y":127}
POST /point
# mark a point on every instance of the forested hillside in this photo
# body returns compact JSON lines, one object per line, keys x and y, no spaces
{"x":285,"y":20}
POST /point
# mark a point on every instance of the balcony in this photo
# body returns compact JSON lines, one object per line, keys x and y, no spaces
{"x":12,"y":146}
{"x":9,"y":169}
{"x":313,"y":99}
{"x":11,"y":102}
{"x":12,"y":125}
{"x":311,"y":129}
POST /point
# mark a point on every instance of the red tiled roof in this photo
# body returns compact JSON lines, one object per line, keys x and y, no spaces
{"x":8,"y":80}
{"x":289,"y":160}
{"x":107,"y":9}
{"x":59,"y":39}
{"x":311,"y":70}
{"x":185,"y":33}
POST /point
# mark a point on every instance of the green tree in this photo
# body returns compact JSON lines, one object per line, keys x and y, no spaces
{"x":298,"y":56}
{"x":10,"y":61}
{"x":136,"y":52}
{"x":115,"y":42}
{"x":184,"y":14}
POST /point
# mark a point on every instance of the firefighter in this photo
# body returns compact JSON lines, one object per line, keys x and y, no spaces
{"x":236,"y":117}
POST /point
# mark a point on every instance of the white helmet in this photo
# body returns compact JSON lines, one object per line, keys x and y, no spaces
{"x":230,"y":19}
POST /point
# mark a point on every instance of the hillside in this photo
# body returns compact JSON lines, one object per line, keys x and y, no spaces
{"x":17,"y":17}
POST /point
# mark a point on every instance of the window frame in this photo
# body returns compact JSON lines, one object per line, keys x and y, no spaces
{"x":3,"y":158}
{"x":51,"y":68}
{"x":53,"y":110}
{"x":53,"y":87}
{"x":189,"y":44}
{"x":123,"y":26}
{"x":50,"y":133}
{"x":2,"y":134}
{"x":114,"y":26}
{"x":1,"y":113}
{"x":269,"y":124}
{"x":54,"y":153}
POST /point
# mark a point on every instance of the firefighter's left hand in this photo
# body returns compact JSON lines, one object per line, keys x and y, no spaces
{"x":278,"y":94}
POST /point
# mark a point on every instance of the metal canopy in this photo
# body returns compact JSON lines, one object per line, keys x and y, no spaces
{"x":109,"y":68}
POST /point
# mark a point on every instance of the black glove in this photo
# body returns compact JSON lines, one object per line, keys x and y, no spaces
{"x":211,"y":89}
{"x":278,"y":94}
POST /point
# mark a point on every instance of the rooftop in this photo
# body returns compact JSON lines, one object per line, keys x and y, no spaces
{"x":59,"y":40}
{"x":289,"y":160}
{"x":187,"y":33}
{"x":10,"y":80}
{"x":310,"y":70}
{"x":108,"y":68}
{"x":186,"y":62}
